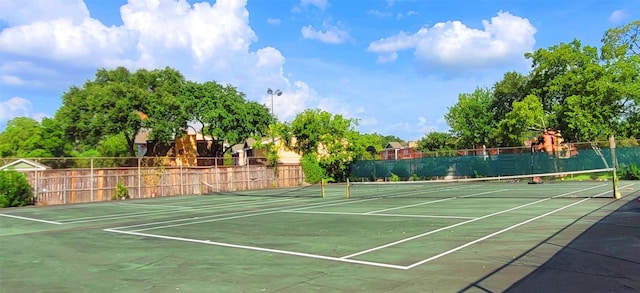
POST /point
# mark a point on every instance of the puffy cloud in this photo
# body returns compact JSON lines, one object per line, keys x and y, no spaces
{"x":453,"y":45}
{"x":14,"y":107}
{"x":29,"y":11}
{"x":618,"y":16}
{"x":331,"y":35}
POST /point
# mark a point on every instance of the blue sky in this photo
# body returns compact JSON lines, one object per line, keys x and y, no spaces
{"x":396,"y":65}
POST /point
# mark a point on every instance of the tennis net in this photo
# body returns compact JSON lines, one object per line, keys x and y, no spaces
{"x":575,"y":184}
{"x":312,"y":190}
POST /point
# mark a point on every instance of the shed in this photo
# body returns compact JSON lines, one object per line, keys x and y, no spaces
{"x":23,"y":165}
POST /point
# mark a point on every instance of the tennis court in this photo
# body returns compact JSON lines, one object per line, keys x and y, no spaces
{"x":384,"y":237}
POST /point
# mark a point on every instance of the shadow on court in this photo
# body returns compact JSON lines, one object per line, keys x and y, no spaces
{"x":604,"y":258}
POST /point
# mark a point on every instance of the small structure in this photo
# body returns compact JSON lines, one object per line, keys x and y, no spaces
{"x":27,"y":166}
{"x":23,"y":165}
{"x":396,"y":151}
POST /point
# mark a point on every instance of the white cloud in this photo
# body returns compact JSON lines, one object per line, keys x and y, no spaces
{"x":274,"y":21}
{"x":617,"y":16}
{"x":322,"y":4}
{"x":331,"y":35}
{"x":293,"y":100}
{"x":452,"y":45}
{"x":14,"y":107}
{"x":203,"y":41}
{"x":29,"y":11}
{"x":378,"y":13}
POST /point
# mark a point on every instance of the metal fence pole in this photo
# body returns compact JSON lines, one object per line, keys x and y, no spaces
{"x":139,"y":179}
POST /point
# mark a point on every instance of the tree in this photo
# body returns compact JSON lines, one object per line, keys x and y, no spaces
{"x":27,"y":138}
{"x":510,"y":89}
{"x":622,"y":41}
{"x":583,"y":96}
{"x":435,"y":141}
{"x":525,"y":116}
{"x":621,"y":52}
{"x":223,"y":113}
{"x":119,"y":102}
{"x":329,"y":136}
{"x":471,"y":119}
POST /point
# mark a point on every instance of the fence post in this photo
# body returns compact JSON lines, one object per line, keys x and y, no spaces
{"x":139,"y":179}
{"x":64,"y":188}
{"x":91,"y":178}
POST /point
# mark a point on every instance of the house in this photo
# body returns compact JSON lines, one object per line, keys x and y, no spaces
{"x":185,"y":149}
{"x":247,"y":153}
{"x":396,"y":151}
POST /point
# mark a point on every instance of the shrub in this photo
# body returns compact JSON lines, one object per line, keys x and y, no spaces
{"x":121,"y":192}
{"x":630,"y":172}
{"x":311,"y":168}
{"x":15,"y":190}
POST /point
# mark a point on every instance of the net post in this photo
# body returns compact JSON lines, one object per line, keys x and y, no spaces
{"x":347,"y":194}
{"x":322,"y":186}
{"x":616,"y":192}
{"x":614,"y":161}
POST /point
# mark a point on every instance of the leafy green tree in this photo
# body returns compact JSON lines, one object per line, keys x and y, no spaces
{"x":621,"y":52}
{"x":622,"y":41}
{"x":118,"y":102}
{"x":512,"y":88}
{"x":223,"y":113}
{"x":525,"y":116}
{"x":585,"y":97}
{"x":27,"y":138}
{"x":435,"y":141}
{"x":329,"y":136}
{"x":21,"y":136}
{"x":471,"y":119}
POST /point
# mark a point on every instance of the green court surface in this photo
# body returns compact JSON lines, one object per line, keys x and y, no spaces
{"x":432,"y":239}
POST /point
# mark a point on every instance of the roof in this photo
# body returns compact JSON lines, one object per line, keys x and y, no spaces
{"x":24,"y":165}
{"x":393,"y":145}
{"x":237,"y":147}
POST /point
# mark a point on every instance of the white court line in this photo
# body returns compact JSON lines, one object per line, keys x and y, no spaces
{"x":271,"y":210}
{"x":127,"y":204}
{"x":308,"y":255}
{"x":153,"y":213}
{"x":434,"y":201}
{"x":493,"y":234}
{"x":376,"y":215}
{"x":31,"y":219}
{"x":345,"y":259}
{"x":459,"y":224}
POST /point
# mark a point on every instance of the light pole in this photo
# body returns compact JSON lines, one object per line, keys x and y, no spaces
{"x":273,"y":157}
{"x":272,"y":92}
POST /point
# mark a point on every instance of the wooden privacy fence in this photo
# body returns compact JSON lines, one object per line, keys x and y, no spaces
{"x":64,"y":186}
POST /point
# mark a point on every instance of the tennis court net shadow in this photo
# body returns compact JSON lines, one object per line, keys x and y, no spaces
{"x":603,"y":258}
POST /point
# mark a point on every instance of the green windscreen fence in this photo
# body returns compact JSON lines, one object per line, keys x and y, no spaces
{"x":493,"y":165}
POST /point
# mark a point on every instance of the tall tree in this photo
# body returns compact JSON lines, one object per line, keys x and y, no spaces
{"x":223,"y":113}
{"x":621,"y":52}
{"x":581,"y":94}
{"x":471,"y":119}
{"x":329,"y":136}
{"x":435,"y":141}
{"x":526,"y":115}
{"x":119,"y":102}
{"x":512,"y":88}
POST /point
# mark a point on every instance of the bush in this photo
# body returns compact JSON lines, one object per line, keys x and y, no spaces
{"x":15,"y":190}
{"x":630,"y":172}
{"x":311,"y":168}
{"x":122,"y":192}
